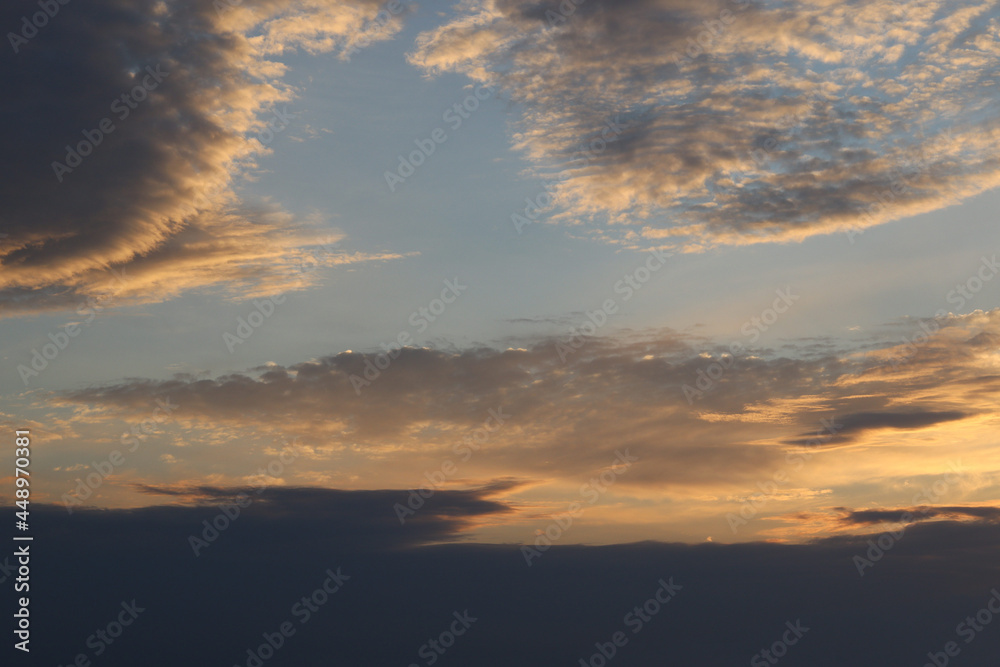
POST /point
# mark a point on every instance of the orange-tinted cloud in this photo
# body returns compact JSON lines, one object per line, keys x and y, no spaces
{"x":692,"y":124}
{"x":842,"y":423}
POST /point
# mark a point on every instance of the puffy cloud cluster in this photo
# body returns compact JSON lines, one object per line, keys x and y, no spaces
{"x":741,"y":121}
{"x":846,"y":418}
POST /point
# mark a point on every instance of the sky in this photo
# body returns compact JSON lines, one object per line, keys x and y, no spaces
{"x":575,"y":287}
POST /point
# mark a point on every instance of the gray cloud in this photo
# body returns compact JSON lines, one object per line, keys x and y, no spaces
{"x":849,"y":426}
{"x":739,"y":122}
{"x":566,"y":417}
{"x":913,"y":514}
{"x":127,"y":125}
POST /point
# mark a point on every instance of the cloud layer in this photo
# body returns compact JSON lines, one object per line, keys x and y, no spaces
{"x":128,"y":126}
{"x":397,"y":596}
{"x":692,"y":124}
{"x":842,"y":423}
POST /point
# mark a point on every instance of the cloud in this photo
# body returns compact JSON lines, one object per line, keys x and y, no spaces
{"x":913,"y":514}
{"x":368,"y":517}
{"x":399,"y":595}
{"x":694,"y":124}
{"x":842,"y":422}
{"x":129,"y":126}
{"x":848,"y":426}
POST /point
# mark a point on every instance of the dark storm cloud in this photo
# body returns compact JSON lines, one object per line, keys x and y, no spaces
{"x":126,"y":125}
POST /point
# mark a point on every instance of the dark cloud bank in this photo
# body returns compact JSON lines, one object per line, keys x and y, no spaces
{"x":734,"y":600}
